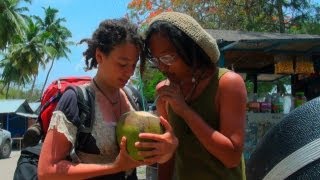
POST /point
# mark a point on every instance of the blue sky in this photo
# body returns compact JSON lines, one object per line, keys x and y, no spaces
{"x":82,"y":18}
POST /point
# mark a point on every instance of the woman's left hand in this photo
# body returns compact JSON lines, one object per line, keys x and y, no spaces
{"x":162,"y":147}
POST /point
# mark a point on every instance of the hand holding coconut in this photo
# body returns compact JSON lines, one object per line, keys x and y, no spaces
{"x":163,"y":147}
{"x":150,"y":138}
{"x":124,"y":161}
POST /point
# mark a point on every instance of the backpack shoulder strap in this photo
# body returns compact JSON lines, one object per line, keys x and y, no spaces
{"x":86,"y":108}
{"x":129,"y":94}
{"x":85,"y":100}
{"x":34,"y":150}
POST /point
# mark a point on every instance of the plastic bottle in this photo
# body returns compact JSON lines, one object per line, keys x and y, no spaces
{"x":299,"y":99}
{"x":287,"y":103}
{"x":265,"y":107}
{"x":277,"y":103}
{"x":152,"y":170}
{"x":254,"y":105}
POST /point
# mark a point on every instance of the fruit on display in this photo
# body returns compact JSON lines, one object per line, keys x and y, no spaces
{"x":304,"y":65}
{"x":284,"y":67}
{"x":131,"y":124}
{"x":283,"y":64}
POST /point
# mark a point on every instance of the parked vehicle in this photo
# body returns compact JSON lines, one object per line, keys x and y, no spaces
{"x":5,"y":143}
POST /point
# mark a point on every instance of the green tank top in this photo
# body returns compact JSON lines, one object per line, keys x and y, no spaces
{"x":192,"y":160}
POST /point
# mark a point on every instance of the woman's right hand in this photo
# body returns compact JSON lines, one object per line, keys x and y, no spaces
{"x":171,"y":94}
{"x":163,"y":145}
{"x":124,"y":161}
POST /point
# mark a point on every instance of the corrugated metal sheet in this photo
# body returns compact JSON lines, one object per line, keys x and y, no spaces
{"x":35,"y":106}
{"x":230,"y":35}
{"x":27,"y":115}
{"x":10,"y":105}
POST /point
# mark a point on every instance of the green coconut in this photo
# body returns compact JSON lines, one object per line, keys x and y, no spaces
{"x":131,"y":124}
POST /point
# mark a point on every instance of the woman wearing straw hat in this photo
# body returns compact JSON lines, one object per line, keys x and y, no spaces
{"x":204,"y":104}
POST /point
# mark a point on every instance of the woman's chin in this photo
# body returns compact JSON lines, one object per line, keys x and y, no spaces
{"x":122,"y":84}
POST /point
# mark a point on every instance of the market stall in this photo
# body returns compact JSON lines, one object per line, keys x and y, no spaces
{"x":262,"y":57}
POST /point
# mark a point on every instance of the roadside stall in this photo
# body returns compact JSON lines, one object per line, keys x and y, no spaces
{"x":269,"y":57}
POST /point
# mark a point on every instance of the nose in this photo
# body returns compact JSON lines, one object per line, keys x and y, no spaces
{"x":162,"y":67}
{"x":129,"y":71}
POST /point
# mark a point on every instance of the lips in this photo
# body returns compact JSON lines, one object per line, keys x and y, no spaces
{"x":171,"y":77}
{"x":124,"y":81}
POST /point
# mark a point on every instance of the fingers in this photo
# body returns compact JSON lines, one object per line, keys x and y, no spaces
{"x":146,"y":145}
{"x":157,"y":159}
{"x":151,"y":136}
{"x":172,"y":94}
{"x":149,"y":149}
{"x":123,"y":143}
{"x":165,"y":124}
{"x":168,"y":90}
{"x":157,"y":137}
{"x":148,"y":153}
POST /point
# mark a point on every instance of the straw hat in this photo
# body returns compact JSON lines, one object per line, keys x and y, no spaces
{"x":193,"y":29}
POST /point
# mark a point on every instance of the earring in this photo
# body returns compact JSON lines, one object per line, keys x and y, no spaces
{"x":193,"y":80}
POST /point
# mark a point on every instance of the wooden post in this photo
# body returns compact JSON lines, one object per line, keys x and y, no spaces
{"x":255,"y":83}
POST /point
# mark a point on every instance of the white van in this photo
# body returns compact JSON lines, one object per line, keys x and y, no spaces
{"x":5,"y":143}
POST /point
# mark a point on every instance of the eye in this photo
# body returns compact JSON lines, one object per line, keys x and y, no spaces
{"x":167,"y":59}
{"x":123,"y":64}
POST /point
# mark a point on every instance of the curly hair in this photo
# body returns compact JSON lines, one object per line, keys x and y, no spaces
{"x":109,"y":34}
{"x":192,"y":54}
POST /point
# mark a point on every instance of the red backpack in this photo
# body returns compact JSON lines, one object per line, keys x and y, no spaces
{"x":53,"y":93}
{"x":28,"y":161}
{"x":85,"y":98}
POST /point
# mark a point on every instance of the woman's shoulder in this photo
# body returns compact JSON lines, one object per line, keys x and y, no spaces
{"x":68,"y":105}
{"x":68,"y":98}
{"x":231,"y":81}
{"x":229,"y":75}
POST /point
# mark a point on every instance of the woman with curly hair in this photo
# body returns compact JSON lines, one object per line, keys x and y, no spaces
{"x":114,"y":49}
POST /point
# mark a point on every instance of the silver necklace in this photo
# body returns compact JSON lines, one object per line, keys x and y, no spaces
{"x":195,"y":80}
{"x":191,"y":92}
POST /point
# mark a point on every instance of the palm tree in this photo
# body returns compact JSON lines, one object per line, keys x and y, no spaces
{"x":24,"y":55}
{"x":12,"y":21}
{"x":58,"y":37}
{"x":30,"y":52}
{"x":11,"y":73}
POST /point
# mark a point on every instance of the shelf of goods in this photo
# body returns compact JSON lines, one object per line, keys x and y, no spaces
{"x":257,"y":125}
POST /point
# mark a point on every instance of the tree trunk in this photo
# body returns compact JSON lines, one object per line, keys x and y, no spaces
{"x":45,"y":82}
{"x":33,"y":84}
{"x":280,"y":16}
{"x":7,"y":93}
{"x":2,"y":88}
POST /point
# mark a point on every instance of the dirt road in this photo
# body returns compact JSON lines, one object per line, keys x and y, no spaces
{"x":7,"y":166}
